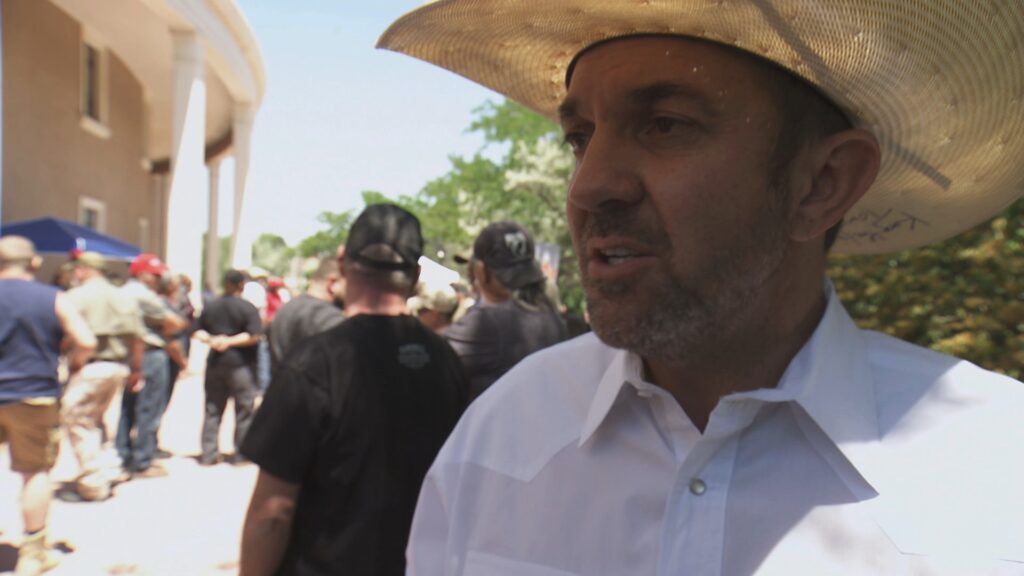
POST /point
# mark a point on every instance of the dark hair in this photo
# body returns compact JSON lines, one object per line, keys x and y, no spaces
{"x":806,"y":116}
{"x":233,"y":278}
{"x":533,"y":297}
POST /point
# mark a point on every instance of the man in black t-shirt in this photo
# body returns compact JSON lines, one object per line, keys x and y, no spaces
{"x":514,"y":316}
{"x":353,"y":418}
{"x":316,"y":311}
{"x":232,"y":328}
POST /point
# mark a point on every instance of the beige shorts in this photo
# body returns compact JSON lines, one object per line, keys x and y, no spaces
{"x":33,"y":429}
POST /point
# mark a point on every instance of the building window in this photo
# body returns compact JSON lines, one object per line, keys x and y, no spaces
{"x":91,"y":83}
{"x":94,"y":87}
{"x":92,"y":213}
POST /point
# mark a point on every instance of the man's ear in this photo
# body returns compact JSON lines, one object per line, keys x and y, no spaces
{"x":342,"y":263}
{"x":481,"y":275}
{"x":414,"y":280}
{"x":36,"y":263}
{"x":843,"y":167}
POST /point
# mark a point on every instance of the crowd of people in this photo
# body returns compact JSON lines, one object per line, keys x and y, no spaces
{"x":725,"y":416}
{"x":135,"y":335}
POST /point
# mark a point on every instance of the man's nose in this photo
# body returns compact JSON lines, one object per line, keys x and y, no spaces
{"x":606,"y":175}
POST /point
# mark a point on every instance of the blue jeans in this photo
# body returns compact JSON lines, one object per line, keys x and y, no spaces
{"x":263,"y":366}
{"x":143,"y":411}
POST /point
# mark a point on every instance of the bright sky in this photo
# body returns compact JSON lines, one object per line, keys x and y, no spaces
{"x":340,"y":116}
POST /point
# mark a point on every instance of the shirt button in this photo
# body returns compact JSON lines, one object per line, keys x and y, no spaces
{"x":698,"y":487}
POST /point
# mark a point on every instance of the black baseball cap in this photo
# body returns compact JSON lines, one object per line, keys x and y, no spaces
{"x":506,"y":248}
{"x":385,"y":237}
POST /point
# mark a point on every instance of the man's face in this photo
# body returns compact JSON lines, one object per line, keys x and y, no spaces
{"x":674,"y":213}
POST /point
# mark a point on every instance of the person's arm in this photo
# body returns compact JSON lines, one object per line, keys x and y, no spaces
{"x":268,"y":524}
{"x":241,"y":340}
{"x":172,"y":324}
{"x":83,"y":342}
{"x":175,"y":353}
{"x":135,"y":383}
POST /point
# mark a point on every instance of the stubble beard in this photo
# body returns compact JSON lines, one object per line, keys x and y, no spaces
{"x":675,"y":318}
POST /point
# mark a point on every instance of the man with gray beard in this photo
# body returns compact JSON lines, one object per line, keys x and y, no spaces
{"x":728,"y":417}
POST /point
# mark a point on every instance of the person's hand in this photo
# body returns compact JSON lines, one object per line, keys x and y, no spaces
{"x":135,"y":382}
{"x":219,"y":343}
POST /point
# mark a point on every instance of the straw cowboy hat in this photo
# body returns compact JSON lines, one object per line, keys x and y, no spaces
{"x":939,"y":82}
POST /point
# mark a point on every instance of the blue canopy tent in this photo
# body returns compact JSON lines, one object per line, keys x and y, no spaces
{"x":53,"y":235}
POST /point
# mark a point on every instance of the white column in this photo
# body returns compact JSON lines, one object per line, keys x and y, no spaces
{"x":188,"y":123}
{"x":212,"y":235}
{"x":242,"y":237}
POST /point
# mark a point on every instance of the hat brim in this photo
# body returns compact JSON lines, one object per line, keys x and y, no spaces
{"x":939,"y":82}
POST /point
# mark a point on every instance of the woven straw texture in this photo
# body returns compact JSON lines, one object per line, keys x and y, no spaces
{"x":939,"y":82}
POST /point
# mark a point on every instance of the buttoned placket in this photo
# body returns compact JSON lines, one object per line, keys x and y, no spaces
{"x":693,"y":529}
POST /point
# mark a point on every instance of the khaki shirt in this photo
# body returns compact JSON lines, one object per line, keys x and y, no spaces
{"x":153,"y":309}
{"x":114,"y":317}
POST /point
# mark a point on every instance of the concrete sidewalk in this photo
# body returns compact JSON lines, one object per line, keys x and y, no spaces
{"x":187,"y":523}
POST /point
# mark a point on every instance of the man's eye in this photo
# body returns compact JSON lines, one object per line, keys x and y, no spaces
{"x":668,"y":125}
{"x":576,"y":141}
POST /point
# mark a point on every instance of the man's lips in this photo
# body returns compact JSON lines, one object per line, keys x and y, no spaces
{"x":616,"y":258}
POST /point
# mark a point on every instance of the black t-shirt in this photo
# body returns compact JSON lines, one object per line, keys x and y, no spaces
{"x":356,"y":415}
{"x":297,"y":320}
{"x":492,"y":338}
{"x":227,"y":316}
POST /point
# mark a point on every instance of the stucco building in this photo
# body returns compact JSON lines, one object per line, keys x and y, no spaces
{"x":117,"y":114}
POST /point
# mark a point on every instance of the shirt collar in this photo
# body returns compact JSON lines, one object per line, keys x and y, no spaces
{"x":833,"y":383}
{"x":829,"y":378}
{"x":624,"y":367}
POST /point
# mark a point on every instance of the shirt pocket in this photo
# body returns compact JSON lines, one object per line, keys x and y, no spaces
{"x":483,"y":564}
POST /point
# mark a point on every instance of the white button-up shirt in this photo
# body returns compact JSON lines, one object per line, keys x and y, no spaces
{"x":871,"y":457}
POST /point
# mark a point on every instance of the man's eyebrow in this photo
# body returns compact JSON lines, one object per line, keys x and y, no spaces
{"x":654,"y":93}
{"x":567,"y":109}
{"x":649,"y":95}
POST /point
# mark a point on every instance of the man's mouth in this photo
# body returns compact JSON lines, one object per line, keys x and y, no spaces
{"x":616,"y":256}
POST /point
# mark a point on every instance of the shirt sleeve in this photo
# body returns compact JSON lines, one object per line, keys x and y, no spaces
{"x":474,"y":340}
{"x":327,"y":317}
{"x":287,"y":428}
{"x":153,"y":308}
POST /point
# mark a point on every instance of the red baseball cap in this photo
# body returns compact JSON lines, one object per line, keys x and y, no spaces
{"x":147,"y":263}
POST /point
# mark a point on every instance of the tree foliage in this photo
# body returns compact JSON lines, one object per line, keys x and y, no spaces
{"x":521,"y":174}
{"x":272,"y":253}
{"x":962,"y":296}
{"x":325,"y":242}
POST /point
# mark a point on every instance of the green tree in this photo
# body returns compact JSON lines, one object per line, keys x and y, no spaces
{"x":325,"y":242}
{"x":521,"y":174}
{"x":272,"y":253}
